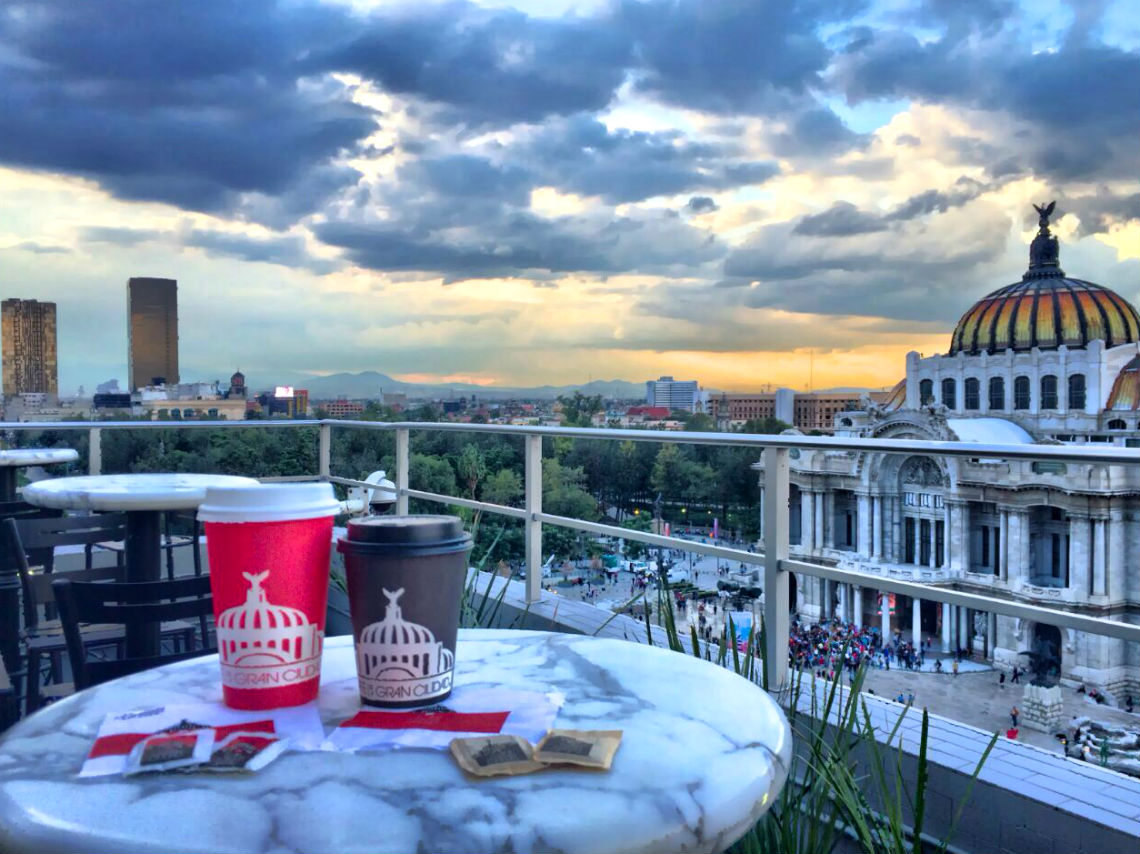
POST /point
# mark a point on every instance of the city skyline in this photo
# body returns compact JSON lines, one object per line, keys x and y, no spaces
{"x":546,"y":192}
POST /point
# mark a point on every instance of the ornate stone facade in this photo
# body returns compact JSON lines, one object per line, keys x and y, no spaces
{"x":1066,"y":536}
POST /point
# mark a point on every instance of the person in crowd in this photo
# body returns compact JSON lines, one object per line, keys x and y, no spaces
{"x":1013,"y":713}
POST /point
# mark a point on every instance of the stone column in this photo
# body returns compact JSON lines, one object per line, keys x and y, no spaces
{"x":946,"y":619}
{"x":807,"y":533}
{"x":858,"y":607}
{"x":916,"y":622}
{"x":1019,"y":563}
{"x":1079,"y":556}
{"x":1116,"y":562}
{"x":964,"y":627}
{"x":877,"y":526}
{"x":820,"y":530}
{"x":1100,"y":564}
{"x":825,"y":605}
{"x":885,"y":618}
{"x":1002,"y":552}
{"x":934,"y":543}
{"x":991,"y":634}
{"x":863,"y":525}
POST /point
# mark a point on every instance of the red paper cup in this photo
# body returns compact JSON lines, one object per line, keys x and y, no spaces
{"x":269,"y":574}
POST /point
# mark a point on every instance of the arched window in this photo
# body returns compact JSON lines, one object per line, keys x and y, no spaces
{"x":949,"y":394}
{"x":1117,"y":424}
{"x":997,"y":393}
{"x":1048,"y":392}
{"x":1076,"y":391}
{"x":926,"y":392}
{"x":1021,"y":393}
{"x":973,"y":393}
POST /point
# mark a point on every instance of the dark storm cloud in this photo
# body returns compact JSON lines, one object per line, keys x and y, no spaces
{"x":488,"y":242}
{"x":700,"y":205}
{"x":843,"y":219}
{"x":1078,"y":102}
{"x":905,"y":271}
{"x":40,"y":248}
{"x":118,"y":236}
{"x":840,"y":220}
{"x":580,"y":154}
{"x":816,"y":131}
{"x":193,"y":107}
{"x":286,"y":251}
{"x":1101,"y":210}
{"x":488,"y":66}
{"x":736,"y":56}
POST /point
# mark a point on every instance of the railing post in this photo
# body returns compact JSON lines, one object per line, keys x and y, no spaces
{"x":95,"y":451}
{"x":776,"y":585}
{"x":324,"y":451}
{"x":402,"y":471}
{"x":533,"y":530}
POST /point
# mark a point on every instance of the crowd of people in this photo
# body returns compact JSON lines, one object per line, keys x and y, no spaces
{"x":835,"y":644}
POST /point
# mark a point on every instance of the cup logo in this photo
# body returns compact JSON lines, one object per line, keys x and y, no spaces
{"x":262,"y":645}
{"x":400,"y":660}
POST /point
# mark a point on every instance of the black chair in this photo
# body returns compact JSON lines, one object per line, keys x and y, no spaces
{"x":33,"y":543}
{"x":171,"y":540}
{"x":10,"y":581}
{"x":126,"y":604}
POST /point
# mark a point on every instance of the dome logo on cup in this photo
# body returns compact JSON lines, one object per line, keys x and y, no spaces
{"x":262,"y":645}
{"x":400,"y":660}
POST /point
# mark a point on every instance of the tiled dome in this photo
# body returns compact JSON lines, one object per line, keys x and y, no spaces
{"x":1125,"y":392}
{"x":1046,"y":309}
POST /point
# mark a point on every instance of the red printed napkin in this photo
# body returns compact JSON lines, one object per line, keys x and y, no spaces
{"x":120,"y":732}
{"x":468,"y":711}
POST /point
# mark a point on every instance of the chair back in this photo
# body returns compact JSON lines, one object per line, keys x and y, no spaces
{"x":18,"y":510}
{"x":127,"y":604}
{"x":32,"y":543}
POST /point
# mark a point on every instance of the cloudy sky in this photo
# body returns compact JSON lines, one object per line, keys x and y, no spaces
{"x":554,"y":190}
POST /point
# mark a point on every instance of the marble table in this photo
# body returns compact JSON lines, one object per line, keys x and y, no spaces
{"x":143,"y":497}
{"x":704,"y":754}
{"x":17,"y":457}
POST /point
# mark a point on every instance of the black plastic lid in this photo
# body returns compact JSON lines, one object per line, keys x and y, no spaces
{"x":407,"y":532}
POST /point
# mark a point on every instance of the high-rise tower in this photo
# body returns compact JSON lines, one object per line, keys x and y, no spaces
{"x":152,"y":329}
{"x":27,"y":328}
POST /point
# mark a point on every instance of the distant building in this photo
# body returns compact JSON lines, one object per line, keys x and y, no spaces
{"x":805,"y":411}
{"x":27,"y":328}
{"x":111,"y":401}
{"x":684,"y":395}
{"x":152,"y":331}
{"x":284,"y":402}
{"x":396,"y":400}
{"x":185,"y":401}
{"x":237,"y":386}
{"x":342,"y":408}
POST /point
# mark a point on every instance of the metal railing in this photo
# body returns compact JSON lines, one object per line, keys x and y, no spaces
{"x":774,"y":560}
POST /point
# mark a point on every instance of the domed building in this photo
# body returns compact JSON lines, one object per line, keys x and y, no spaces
{"x":395,"y":649}
{"x":258,"y":633}
{"x":1047,"y":359}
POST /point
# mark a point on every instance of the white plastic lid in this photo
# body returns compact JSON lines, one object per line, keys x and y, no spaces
{"x":268,"y":502}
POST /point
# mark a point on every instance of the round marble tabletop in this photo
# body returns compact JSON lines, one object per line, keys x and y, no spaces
{"x":37,"y":456}
{"x":108,"y":492}
{"x":704,"y":754}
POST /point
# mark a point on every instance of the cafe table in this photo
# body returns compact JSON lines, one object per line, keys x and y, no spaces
{"x":19,"y":457}
{"x":144,"y":498}
{"x":704,"y":754}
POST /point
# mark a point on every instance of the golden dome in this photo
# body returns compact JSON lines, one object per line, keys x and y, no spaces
{"x":1125,"y":392}
{"x":1046,"y":309}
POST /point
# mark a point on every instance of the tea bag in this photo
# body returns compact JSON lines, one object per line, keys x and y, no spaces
{"x":243,"y":751}
{"x":166,"y":751}
{"x":592,"y":748}
{"x":494,"y":755}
